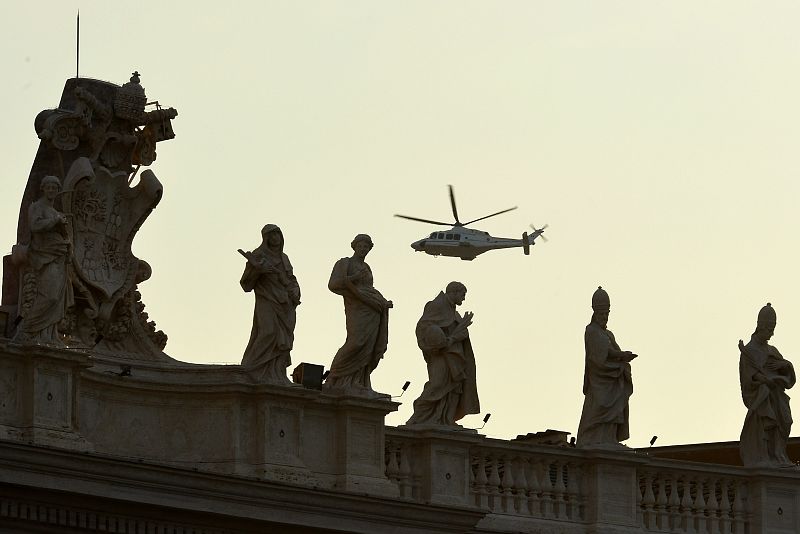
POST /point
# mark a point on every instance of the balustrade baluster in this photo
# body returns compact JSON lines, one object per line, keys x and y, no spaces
{"x":405,"y":471}
{"x":547,"y":490}
{"x":686,"y":506}
{"x":481,"y":496}
{"x":521,"y":487}
{"x":494,"y":483}
{"x":648,"y":500}
{"x":738,"y":508}
{"x":662,"y":518}
{"x":699,"y":507}
{"x":724,"y":507}
{"x":508,"y":485}
{"x":559,"y":491}
{"x":639,"y":505}
{"x":712,"y":506}
{"x":674,"y":505}
{"x":534,"y":500}
{"x":392,"y":467}
{"x":573,"y":499}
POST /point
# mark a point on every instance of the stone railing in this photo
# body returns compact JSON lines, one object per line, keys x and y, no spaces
{"x":537,"y":487}
{"x":506,"y":478}
{"x":702,"y":498}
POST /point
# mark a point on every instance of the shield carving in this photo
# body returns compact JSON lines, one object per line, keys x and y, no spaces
{"x":105,"y":214}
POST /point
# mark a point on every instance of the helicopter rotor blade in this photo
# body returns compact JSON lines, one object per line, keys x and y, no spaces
{"x":540,"y":231}
{"x":423,"y":220}
{"x":492,"y":215}
{"x":453,"y":204}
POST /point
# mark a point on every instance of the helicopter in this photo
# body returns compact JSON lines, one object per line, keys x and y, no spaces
{"x":467,"y":243}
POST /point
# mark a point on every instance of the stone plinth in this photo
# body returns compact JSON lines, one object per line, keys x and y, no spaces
{"x":39,"y":394}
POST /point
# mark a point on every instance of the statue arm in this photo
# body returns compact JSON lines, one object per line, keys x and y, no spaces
{"x":41,"y":222}
{"x":291,"y":281}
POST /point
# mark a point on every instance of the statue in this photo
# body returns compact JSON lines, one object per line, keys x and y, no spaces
{"x":451,"y":391}
{"x":607,"y":383}
{"x":367,"y":319}
{"x":764,"y":376}
{"x":101,"y":138}
{"x":46,"y":290}
{"x":268,"y":273}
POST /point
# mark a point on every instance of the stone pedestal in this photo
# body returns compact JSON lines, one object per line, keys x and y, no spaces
{"x":39,"y":392}
{"x":612,"y":493}
{"x":345,"y":437}
{"x":442,"y":463}
{"x":775,"y":501}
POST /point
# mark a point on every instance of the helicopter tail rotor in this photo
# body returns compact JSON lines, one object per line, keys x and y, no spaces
{"x":538,"y":232}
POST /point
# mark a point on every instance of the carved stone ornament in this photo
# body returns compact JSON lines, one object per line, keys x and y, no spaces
{"x":97,"y":140}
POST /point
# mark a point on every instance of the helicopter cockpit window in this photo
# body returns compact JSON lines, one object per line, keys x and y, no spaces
{"x":433,"y":235}
{"x":449,"y":236}
{"x":441,"y":236}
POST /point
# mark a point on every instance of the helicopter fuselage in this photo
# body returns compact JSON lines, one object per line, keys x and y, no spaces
{"x":466,"y":243}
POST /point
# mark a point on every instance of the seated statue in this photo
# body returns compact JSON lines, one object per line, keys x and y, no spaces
{"x":268,"y":273}
{"x":607,"y":383}
{"x":451,"y":391}
{"x":46,"y":289}
{"x":367,"y":321}
{"x":764,"y":377}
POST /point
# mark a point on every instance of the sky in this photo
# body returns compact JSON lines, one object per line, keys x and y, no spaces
{"x":657,"y":139}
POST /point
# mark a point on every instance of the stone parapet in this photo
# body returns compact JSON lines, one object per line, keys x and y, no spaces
{"x":535,"y":488}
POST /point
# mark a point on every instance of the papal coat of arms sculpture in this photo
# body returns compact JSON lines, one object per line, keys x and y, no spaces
{"x":71,"y":279}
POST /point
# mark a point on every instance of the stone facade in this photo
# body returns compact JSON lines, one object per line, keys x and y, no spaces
{"x":92,"y":446}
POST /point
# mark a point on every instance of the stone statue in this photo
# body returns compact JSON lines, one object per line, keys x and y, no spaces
{"x":268,"y":273}
{"x":367,"y":319}
{"x":607,"y":383}
{"x":101,"y":138}
{"x":46,"y":290}
{"x":451,"y":391}
{"x":764,"y":376}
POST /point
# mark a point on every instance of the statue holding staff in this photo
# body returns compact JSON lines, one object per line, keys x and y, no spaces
{"x":269,"y":275}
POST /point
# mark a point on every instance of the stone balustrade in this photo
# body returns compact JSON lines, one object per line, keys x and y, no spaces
{"x":540,"y":487}
{"x":707,"y":499}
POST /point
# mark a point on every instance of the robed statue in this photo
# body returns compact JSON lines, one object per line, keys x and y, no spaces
{"x":607,"y":382}
{"x":367,"y":322}
{"x":765,"y":376}
{"x":46,"y":289}
{"x":451,"y":391}
{"x":269,"y":275}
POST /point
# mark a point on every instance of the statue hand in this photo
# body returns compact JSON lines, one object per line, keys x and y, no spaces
{"x":741,"y":346}
{"x":389,"y":304}
{"x":775,"y":365}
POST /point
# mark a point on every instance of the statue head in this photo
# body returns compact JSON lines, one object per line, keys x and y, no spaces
{"x":601,"y":304}
{"x":50,"y":186}
{"x":456,"y":292}
{"x":765,"y":324}
{"x":361,"y":245}
{"x":272,"y":236}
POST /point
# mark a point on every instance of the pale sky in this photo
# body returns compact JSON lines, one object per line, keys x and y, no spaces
{"x":658,"y":139}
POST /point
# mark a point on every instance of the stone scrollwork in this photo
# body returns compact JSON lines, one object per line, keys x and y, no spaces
{"x":97,"y":140}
